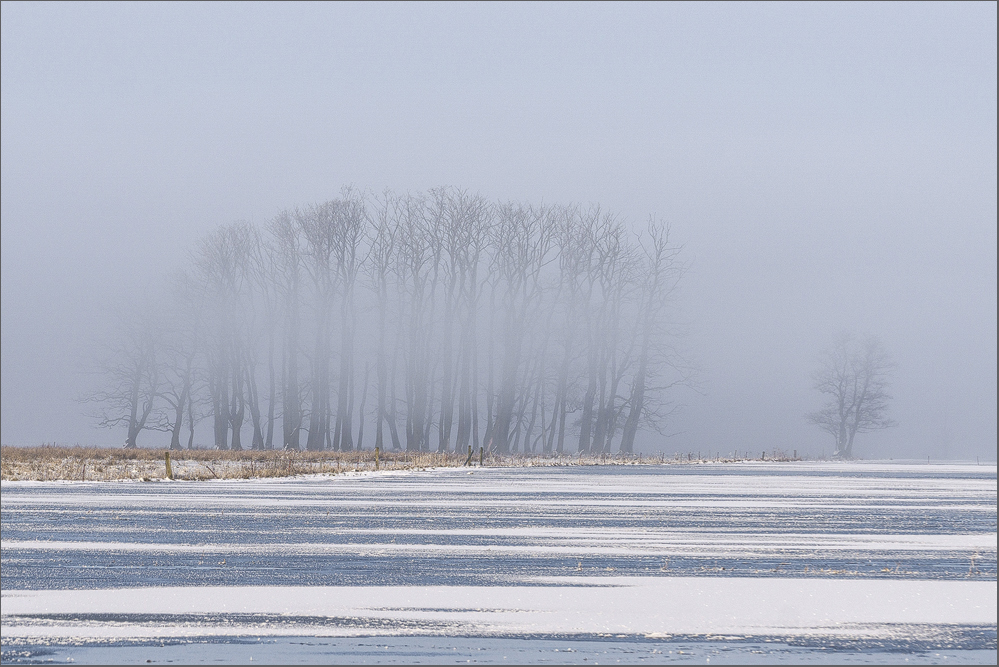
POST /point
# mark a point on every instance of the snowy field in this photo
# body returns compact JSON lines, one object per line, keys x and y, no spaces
{"x":747,"y":563}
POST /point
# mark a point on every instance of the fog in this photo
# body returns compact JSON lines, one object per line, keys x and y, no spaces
{"x":821,"y":168}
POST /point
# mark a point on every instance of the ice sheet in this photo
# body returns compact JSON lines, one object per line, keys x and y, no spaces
{"x":658,"y":606}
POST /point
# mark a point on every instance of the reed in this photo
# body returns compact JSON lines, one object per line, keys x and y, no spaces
{"x":64,"y":463}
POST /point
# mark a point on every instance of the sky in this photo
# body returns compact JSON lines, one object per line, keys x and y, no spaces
{"x":826,"y":167}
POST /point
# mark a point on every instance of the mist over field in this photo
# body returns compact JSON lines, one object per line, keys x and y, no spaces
{"x":821,"y":168}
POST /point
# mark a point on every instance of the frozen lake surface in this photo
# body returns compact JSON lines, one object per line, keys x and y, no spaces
{"x":750,"y":563}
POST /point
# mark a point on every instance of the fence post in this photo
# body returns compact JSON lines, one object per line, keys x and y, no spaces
{"x":480,"y":456}
{"x":169,"y":470}
{"x":376,"y":458}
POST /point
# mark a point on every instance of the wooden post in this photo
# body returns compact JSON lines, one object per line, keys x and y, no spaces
{"x":468,"y":461}
{"x":376,"y":458}
{"x":169,"y":470}
{"x":480,"y":455}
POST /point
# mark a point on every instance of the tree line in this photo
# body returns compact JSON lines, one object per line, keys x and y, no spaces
{"x":441,"y":319}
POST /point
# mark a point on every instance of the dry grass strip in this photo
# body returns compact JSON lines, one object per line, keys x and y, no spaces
{"x":58,"y":463}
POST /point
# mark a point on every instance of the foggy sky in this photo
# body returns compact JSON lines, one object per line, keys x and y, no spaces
{"x":826,"y":166}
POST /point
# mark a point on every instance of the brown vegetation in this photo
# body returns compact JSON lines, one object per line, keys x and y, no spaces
{"x":54,"y":463}
{"x":50,"y":463}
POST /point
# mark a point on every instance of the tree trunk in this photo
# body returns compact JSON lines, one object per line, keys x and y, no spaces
{"x":586,"y":423}
{"x":272,"y":394}
{"x":382,"y":372}
{"x":133,"y":416}
{"x":291,"y":420}
{"x":178,"y":422}
{"x":316,"y":439}
{"x":393,"y":399}
{"x":257,"y":442}
{"x":360,"y":416}
{"x":447,"y":398}
{"x":637,"y":403}
{"x":345,"y":407}
{"x":600,"y":426}
{"x":190,"y":421}
{"x":220,"y":409}
{"x":237,"y":413}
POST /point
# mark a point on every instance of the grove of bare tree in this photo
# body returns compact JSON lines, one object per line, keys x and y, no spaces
{"x":514,"y":327}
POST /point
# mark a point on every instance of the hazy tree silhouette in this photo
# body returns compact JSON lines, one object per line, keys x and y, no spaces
{"x":478,"y":323}
{"x":854,"y":375}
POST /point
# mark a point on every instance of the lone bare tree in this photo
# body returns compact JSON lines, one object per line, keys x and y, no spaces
{"x":854,"y":375}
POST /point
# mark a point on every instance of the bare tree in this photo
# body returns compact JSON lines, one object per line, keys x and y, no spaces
{"x":661,"y":273}
{"x":417,"y":271}
{"x":605,"y":280}
{"x":574,"y":234}
{"x":265,"y":273}
{"x":617,"y":275}
{"x":461,"y":220}
{"x":854,"y":375}
{"x":350,"y":225}
{"x":286,"y":260}
{"x":318,"y":226}
{"x":180,"y":348}
{"x":521,"y":241}
{"x":385,"y":239}
{"x":451,"y":231}
{"x":131,"y":381}
{"x":222,"y":263}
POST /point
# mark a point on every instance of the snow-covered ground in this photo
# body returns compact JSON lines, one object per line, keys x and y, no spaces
{"x":748,"y":563}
